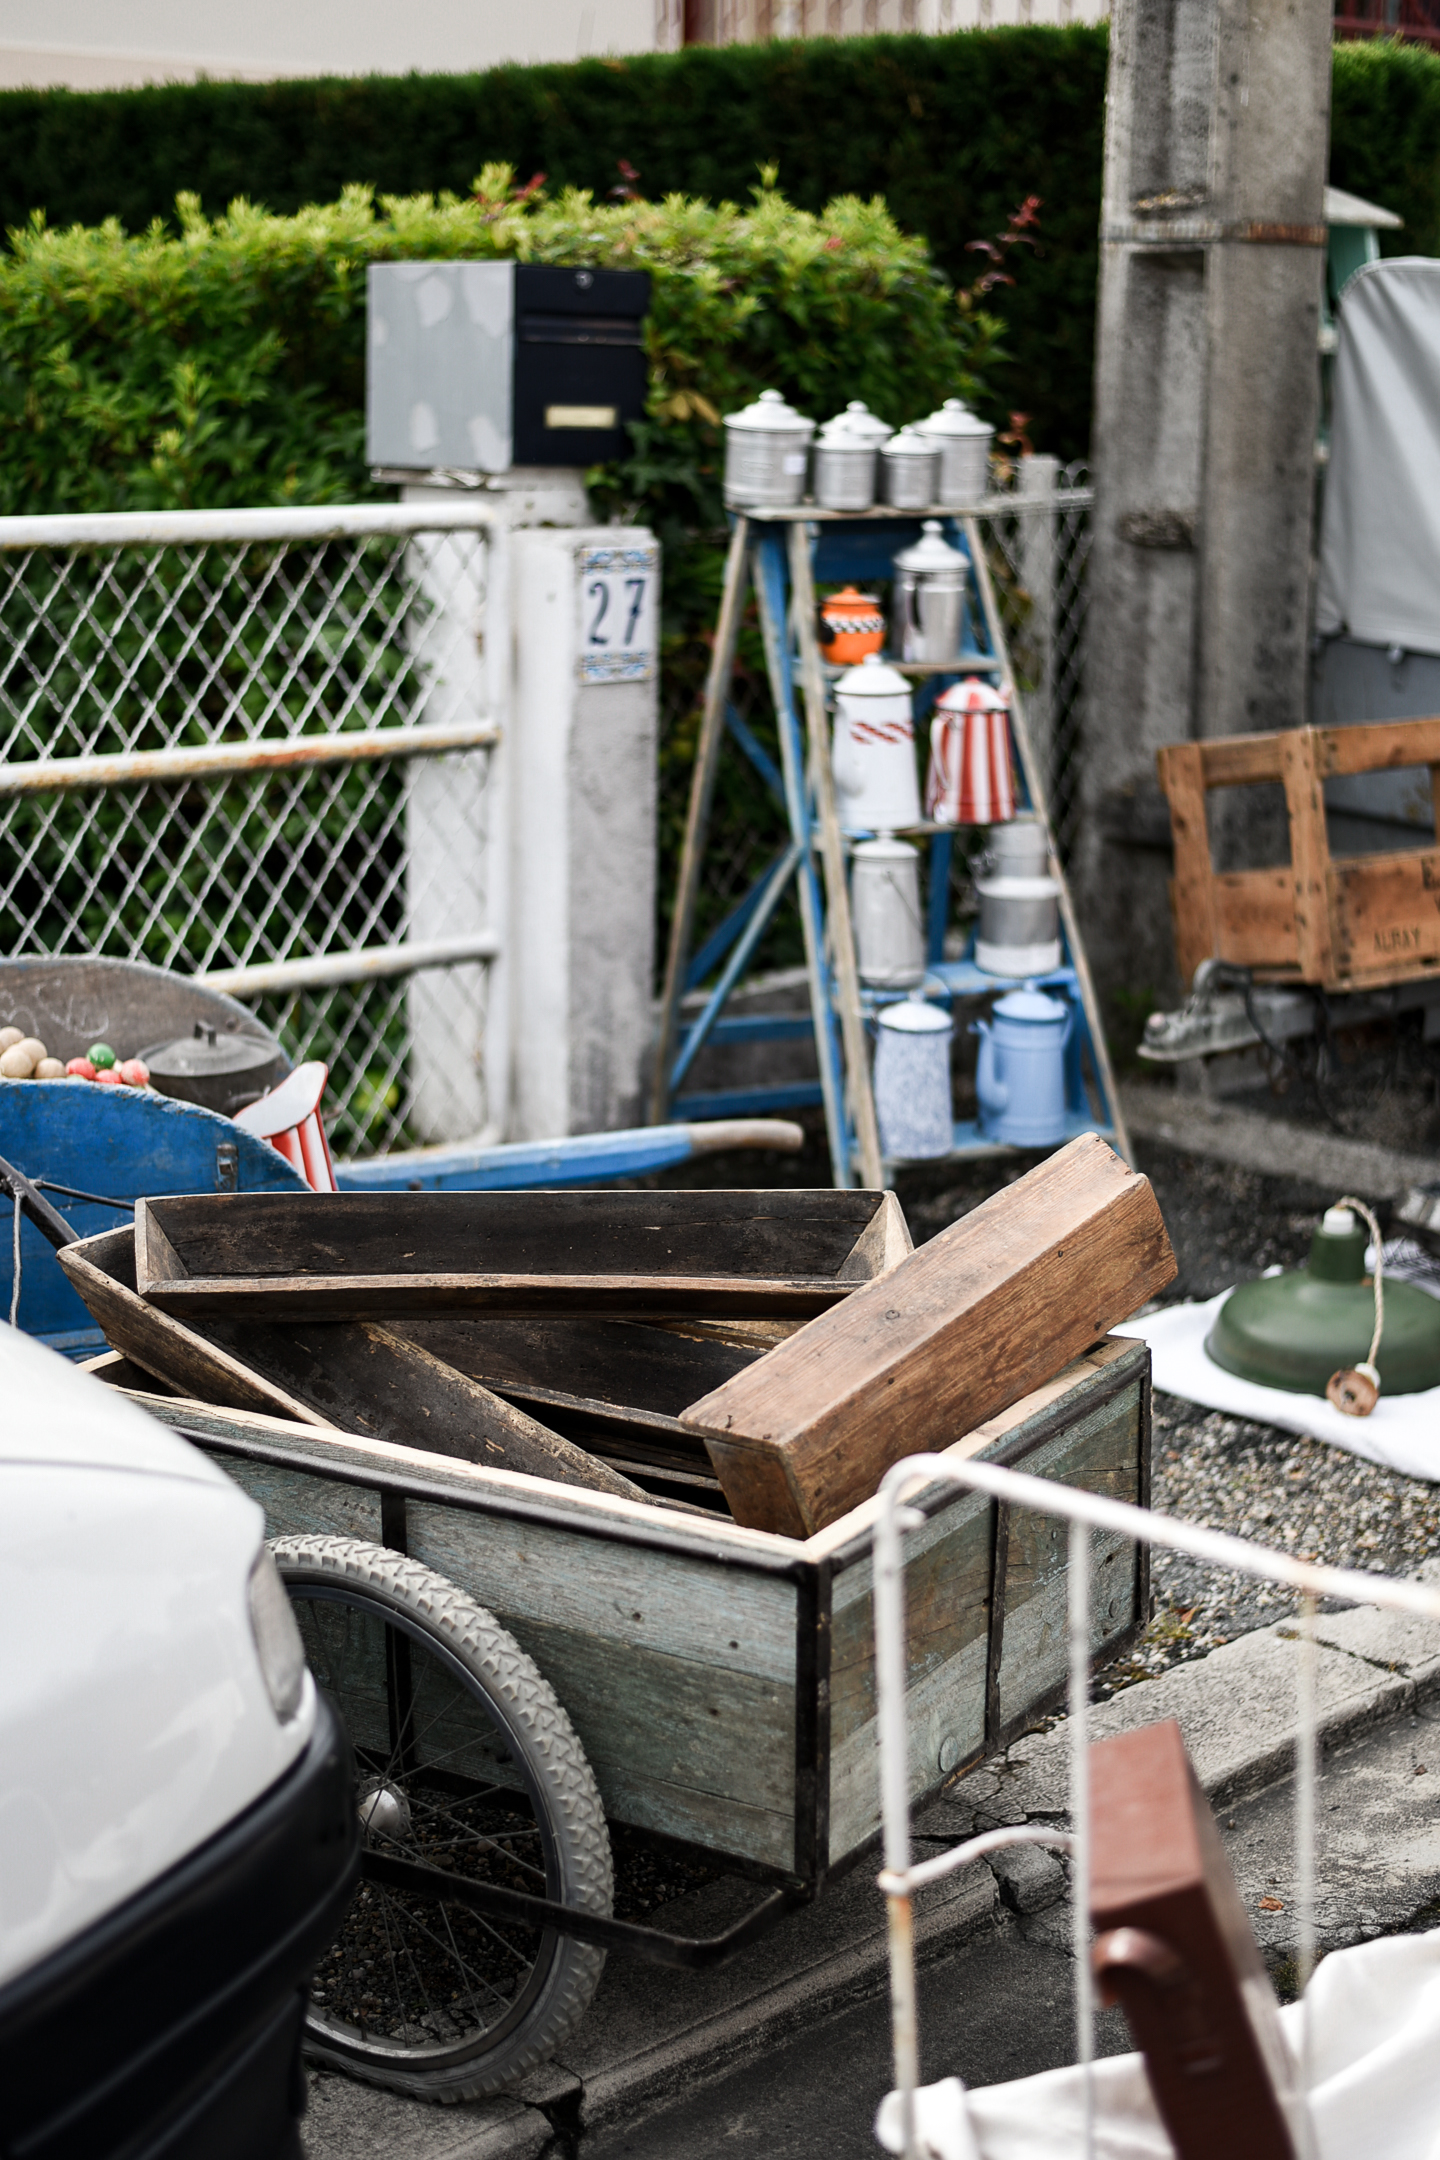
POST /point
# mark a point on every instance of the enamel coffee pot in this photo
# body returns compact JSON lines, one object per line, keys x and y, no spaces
{"x":877,"y":788}
{"x":1020,"y":1075}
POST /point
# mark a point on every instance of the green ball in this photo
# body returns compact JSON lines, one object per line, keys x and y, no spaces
{"x":101,"y":1056}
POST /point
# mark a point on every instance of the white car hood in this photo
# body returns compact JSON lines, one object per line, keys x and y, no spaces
{"x":51,"y":1412}
{"x":135,"y":1722}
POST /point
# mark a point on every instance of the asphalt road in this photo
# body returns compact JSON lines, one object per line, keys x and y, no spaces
{"x":998,"y":2009}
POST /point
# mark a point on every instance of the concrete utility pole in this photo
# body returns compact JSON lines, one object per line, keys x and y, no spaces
{"x":1212,"y":253}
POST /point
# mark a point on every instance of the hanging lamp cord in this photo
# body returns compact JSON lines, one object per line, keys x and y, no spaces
{"x":1358,"y":1207}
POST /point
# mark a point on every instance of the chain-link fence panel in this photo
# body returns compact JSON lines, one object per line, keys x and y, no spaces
{"x":123,"y":666}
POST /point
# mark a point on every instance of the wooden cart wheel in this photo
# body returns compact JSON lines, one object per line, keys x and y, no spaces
{"x":464,"y":1761}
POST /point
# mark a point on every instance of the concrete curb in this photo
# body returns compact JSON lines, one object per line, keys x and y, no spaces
{"x":1225,"y":1133}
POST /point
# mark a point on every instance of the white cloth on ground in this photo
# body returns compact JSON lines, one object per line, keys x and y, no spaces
{"x":1401,"y":1433}
{"x":1375,"y":2078}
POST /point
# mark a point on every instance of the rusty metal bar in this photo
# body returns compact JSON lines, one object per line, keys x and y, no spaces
{"x":203,"y":761}
{"x":321,"y":970}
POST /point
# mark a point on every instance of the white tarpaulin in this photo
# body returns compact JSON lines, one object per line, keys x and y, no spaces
{"x":1374,"y":2051}
{"x":1380,"y":534}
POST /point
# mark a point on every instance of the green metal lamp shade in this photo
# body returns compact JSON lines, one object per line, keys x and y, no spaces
{"x":1293,"y":1331}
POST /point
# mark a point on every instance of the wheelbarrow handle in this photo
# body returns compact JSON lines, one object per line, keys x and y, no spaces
{"x":47,"y":1220}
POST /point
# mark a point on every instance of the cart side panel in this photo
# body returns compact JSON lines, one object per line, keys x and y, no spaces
{"x":947,"y":1603}
{"x":1101,"y":1454}
{"x":677,"y":1673}
{"x":985,"y":1601}
{"x":300,"y":1506}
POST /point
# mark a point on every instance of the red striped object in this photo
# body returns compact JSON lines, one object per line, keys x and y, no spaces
{"x":971,"y":780}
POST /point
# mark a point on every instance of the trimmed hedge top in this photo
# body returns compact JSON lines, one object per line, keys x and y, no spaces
{"x":226,"y":365}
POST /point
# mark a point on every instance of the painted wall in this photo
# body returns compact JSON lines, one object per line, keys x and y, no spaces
{"x":89,"y":45}
{"x":92,"y":45}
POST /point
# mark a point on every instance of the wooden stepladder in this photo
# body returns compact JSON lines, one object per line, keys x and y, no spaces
{"x":782,"y":554}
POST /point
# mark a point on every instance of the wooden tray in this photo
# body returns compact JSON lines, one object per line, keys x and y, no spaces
{"x":379,"y":1256}
{"x":481,"y":1387}
{"x":989,"y":1309}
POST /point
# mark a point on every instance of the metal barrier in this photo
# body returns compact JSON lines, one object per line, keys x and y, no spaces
{"x":1085,"y":1512}
{"x":237,"y":743}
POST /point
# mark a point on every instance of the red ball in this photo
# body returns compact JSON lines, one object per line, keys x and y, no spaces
{"x":110,"y":1077}
{"x":82,"y":1069}
{"x":134,"y":1072}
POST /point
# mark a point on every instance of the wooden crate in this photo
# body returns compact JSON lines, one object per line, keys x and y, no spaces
{"x":722,"y":1679}
{"x":1354,"y":924}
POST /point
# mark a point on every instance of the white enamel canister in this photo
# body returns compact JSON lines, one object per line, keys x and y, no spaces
{"x":877,"y":788}
{"x":1019,"y":931}
{"x":885,"y":907}
{"x":912,"y":1081}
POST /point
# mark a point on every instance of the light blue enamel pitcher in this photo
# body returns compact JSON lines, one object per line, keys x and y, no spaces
{"x":1020,"y":1077}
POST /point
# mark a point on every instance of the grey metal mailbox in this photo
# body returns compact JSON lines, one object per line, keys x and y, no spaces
{"x":485,"y":365}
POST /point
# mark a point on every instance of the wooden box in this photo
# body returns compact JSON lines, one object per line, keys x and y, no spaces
{"x":381,"y":1256}
{"x":1350,"y":924}
{"x":722,"y":1679}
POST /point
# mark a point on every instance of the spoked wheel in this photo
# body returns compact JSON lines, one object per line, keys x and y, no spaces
{"x":464,"y":1761}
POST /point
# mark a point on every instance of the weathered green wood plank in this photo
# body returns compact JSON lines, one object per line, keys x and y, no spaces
{"x":1100,"y":1454}
{"x":300,"y":1506}
{"x":947,"y":1607}
{"x":667,"y":1720}
{"x":630,"y":1596}
{"x":945,"y":1726}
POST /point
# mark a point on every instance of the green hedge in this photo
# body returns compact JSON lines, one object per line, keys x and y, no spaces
{"x":953,"y":132}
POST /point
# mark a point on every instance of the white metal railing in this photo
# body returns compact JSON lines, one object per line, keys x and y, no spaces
{"x":227,"y":741}
{"x":1085,"y":1512}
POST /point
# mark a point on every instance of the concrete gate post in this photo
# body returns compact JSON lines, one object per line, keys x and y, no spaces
{"x":1212,"y":253}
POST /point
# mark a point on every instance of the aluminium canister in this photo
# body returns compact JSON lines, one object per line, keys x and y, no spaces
{"x":964,"y":442}
{"x":909,"y":470}
{"x":767,"y":450}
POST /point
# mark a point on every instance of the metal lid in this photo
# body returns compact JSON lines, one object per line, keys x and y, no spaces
{"x":973,"y":694}
{"x":912,"y":1016}
{"x":872,"y":678}
{"x":856,"y":423}
{"x":1030,"y":1005}
{"x":953,"y":418}
{"x":909,"y":443}
{"x":931,"y":551}
{"x":206,"y":1053}
{"x":770,"y":414}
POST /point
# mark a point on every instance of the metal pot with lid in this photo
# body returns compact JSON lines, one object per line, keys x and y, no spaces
{"x":766,"y":452}
{"x":845,"y":450}
{"x":910,"y":470}
{"x":220,"y":1070}
{"x":964,"y":444}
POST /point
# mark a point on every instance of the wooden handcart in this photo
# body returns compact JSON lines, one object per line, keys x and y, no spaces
{"x":518,"y":1662}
